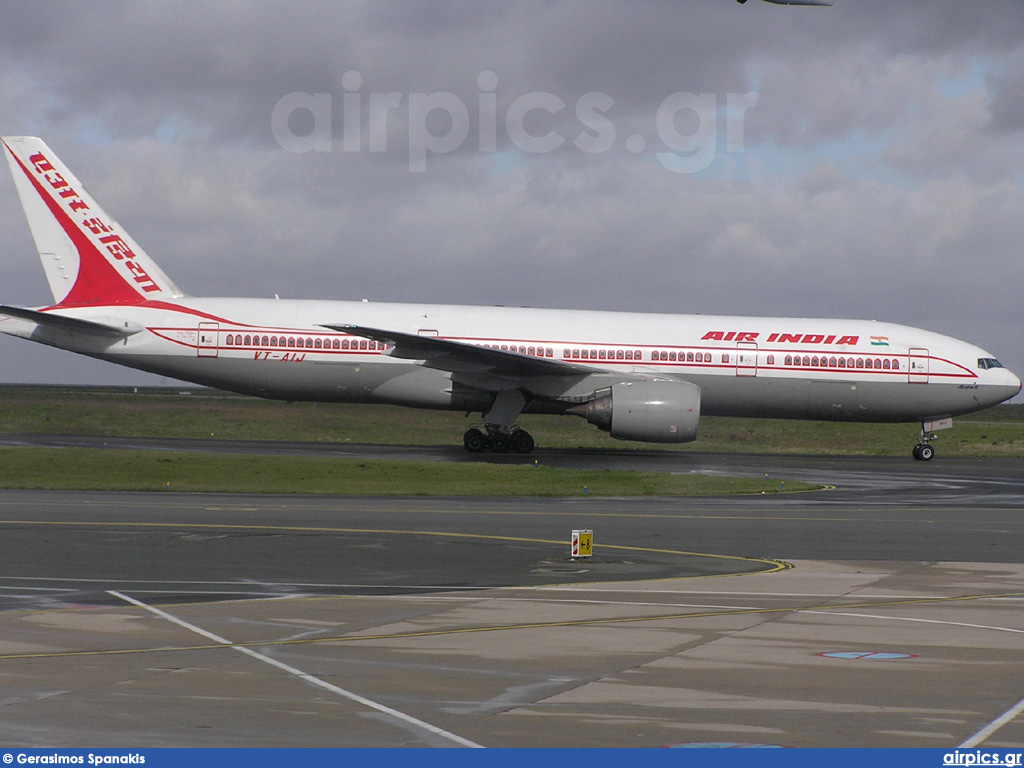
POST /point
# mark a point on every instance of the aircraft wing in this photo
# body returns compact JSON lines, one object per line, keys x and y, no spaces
{"x":65,"y":323}
{"x":460,"y":357}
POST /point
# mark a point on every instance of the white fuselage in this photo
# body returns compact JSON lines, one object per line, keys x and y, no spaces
{"x":744,"y":366}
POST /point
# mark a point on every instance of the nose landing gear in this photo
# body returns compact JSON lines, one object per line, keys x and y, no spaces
{"x":923,"y":451}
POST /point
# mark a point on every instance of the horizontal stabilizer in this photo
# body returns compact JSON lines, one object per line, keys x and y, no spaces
{"x":65,"y":323}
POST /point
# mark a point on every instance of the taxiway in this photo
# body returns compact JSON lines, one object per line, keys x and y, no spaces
{"x":886,"y":611}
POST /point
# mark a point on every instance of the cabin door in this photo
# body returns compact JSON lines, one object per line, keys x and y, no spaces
{"x":208,"y":339}
{"x":917,"y":371}
{"x":746,"y":358}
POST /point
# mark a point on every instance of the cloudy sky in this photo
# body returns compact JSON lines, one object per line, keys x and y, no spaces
{"x":864,"y":160}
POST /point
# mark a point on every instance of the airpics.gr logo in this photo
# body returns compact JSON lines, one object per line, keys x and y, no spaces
{"x":982,"y":757}
{"x":684,"y":126}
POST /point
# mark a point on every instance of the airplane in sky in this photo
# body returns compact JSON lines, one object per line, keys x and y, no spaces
{"x":644,"y":377}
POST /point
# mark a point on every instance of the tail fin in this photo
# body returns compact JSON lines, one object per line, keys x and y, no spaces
{"x":87,"y":256}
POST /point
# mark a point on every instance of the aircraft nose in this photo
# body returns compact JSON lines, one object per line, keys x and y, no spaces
{"x":1009,"y":387}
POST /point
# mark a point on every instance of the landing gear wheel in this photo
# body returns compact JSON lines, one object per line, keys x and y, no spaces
{"x":474,"y":440}
{"x":500,"y":442}
{"x":924,"y":452}
{"x":522,"y":441}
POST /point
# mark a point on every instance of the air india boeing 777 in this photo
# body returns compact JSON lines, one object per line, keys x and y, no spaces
{"x":643,"y":377}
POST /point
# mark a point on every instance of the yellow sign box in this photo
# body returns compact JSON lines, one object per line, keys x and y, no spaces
{"x":582,"y":543}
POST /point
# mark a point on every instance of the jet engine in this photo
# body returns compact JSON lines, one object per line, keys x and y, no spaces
{"x":652,"y":411}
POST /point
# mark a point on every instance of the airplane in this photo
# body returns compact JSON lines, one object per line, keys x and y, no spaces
{"x":638,"y":376}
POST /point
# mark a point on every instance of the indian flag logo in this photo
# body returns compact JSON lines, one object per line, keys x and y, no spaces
{"x":879,"y":341}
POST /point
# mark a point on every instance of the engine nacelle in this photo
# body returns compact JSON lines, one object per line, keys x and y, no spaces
{"x":651,"y":411}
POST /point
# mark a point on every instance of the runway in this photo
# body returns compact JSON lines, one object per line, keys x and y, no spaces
{"x":215,"y":620}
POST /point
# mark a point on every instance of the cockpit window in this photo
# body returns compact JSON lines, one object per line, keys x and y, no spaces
{"x":984,"y":363}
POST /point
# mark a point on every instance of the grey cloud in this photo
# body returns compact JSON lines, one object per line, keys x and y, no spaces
{"x":862,"y":190}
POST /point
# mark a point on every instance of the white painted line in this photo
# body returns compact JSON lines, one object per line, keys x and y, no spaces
{"x":246,"y":583}
{"x":828,"y":612}
{"x":300,"y":674}
{"x":989,"y":729}
{"x":994,"y":726}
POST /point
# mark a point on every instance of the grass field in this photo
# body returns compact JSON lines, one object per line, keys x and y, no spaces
{"x":997,"y":431}
{"x":118,"y":470}
{"x":204,"y":414}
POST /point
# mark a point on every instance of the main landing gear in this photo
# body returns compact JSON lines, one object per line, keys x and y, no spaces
{"x":498,"y":439}
{"x":500,"y":433}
